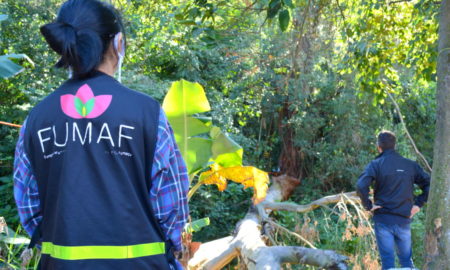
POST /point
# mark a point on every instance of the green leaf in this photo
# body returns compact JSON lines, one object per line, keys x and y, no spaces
{"x":6,"y":179}
{"x":288,"y":3}
{"x":274,"y":3}
{"x":284,"y":18}
{"x":225,"y":151}
{"x":274,"y":7}
{"x":16,"y":240}
{"x":79,"y":105}
{"x":197,"y":225}
{"x":20,"y":56}
{"x":188,"y":22}
{"x":11,"y":237}
{"x":189,"y":126}
{"x":179,"y":16}
{"x":185,"y":98}
{"x":89,"y":105}
{"x":196,"y":152}
{"x":8,"y":68}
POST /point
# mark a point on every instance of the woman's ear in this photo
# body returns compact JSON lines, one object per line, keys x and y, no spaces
{"x":119,"y":44}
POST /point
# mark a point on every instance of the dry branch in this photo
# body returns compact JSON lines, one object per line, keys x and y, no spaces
{"x":315,"y":257}
{"x":407,"y":132}
{"x":293,"y":207}
{"x":249,"y":244}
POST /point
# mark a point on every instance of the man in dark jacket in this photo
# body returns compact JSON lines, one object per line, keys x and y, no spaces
{"x":393,"y":178}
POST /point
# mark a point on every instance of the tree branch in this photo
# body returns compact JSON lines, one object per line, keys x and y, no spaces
{"x":293,"y":207}
{"x":214,"y":255}
{"x":340,"y":10}
{"x":323,"y":259}
{"x":398,"y":1}
{"x":249,"y":244}
{"x":407,"y":132}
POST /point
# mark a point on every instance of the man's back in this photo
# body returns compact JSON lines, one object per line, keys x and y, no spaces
{"x":393,"y":178}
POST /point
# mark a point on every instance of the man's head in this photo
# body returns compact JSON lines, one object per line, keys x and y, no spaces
{"x":386,"y":140}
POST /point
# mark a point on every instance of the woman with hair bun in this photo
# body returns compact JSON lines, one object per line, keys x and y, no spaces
{"x":98,"y":178}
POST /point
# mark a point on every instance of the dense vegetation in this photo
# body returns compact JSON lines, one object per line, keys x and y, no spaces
{"x":301,"y":85}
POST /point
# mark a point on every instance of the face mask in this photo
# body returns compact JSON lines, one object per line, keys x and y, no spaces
{"x":120,"y":55}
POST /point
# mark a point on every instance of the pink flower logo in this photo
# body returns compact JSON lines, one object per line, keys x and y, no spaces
{"x":84,"y":104}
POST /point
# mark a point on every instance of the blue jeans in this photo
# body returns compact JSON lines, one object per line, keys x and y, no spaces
{"x":391,"y":238}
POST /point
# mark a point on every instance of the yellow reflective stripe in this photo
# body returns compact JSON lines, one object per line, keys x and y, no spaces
{"x":102,"y":252}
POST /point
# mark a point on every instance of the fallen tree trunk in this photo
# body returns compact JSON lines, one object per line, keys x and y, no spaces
{"x":248,"y":240}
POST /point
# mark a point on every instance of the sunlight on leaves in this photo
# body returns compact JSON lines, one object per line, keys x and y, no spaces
{"x":246,"y":175}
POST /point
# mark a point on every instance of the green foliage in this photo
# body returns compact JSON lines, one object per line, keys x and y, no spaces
{"x":225,"y":151}
{"x":12,"y":238}
{"x":12,"y":244}
{"x":8,"y":68}
{"x":183,"y":100}
{"x":182,"y":103}
{"x":310,"y":75}
{"x":224,"y":209}
{"x":284,"y":19}
{"x":8,"y":206}
{"x":388,"y":40}
{"x":20,"y":33}
{"x":197,"y":225}
{"x":274,"y":8}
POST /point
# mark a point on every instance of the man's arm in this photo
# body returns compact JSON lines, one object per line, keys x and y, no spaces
{"x":170,"y":185}
{"x":25,"y":188}
{"x":363,"y":186}
{"x":422,"y":179}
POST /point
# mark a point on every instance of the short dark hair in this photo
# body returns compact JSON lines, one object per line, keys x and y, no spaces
{"x":81,"y":34}
{"x":386,"y":140}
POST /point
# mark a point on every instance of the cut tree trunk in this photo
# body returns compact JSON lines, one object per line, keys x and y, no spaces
{"x":437,"y":242}
{"x":249,"y":243}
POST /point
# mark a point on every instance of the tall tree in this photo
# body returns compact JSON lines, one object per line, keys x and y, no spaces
{"x":438,"y":212}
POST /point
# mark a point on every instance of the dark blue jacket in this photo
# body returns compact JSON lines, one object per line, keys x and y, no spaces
{"x":393,"y":178}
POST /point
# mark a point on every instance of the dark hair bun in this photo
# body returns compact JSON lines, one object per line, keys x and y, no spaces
{"x":61,"y":37}
{"x":81,"y":34}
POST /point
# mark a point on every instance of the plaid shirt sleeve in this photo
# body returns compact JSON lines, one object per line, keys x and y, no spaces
{"x":170,"y":184}
{"x":25,"y":188}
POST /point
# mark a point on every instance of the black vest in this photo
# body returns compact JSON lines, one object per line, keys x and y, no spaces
{"x":91,"y":145}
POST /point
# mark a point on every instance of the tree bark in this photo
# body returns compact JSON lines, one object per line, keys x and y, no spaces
{"x":438,"y":212}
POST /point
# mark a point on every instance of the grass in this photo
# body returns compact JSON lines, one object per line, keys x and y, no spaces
{"x":13,"y":250}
